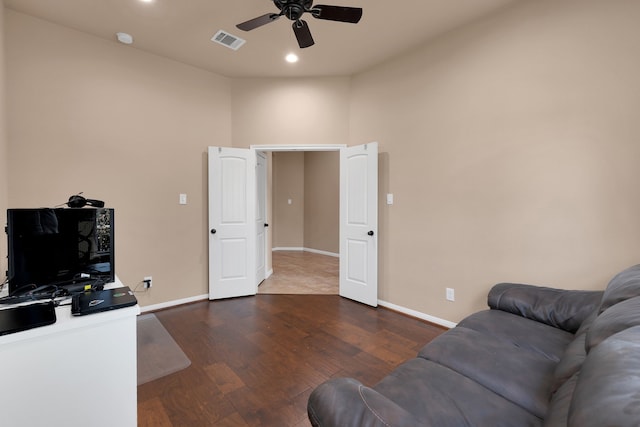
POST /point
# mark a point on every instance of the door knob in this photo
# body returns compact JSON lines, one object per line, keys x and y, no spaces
{"x":370,"y":233}
{"x":213,"y":231}
{"x":266,"y":225}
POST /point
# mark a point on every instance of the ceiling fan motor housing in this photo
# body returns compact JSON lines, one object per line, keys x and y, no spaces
{"x":293,"y":9}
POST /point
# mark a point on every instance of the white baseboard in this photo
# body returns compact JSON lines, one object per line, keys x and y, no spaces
{"x":173,"y":303}
{"x":315,"y":251}
{"x":398,"y":308}
{"x":285,"y":248}
{"x":269,"y":273}
{"x":419,"y":315}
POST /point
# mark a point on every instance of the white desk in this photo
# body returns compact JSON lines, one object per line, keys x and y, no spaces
{"x":80,"y":371}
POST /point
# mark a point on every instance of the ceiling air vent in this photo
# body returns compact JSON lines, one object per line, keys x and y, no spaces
{"x":228,"y":40}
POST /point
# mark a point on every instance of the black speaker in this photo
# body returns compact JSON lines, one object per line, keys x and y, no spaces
{"x":77,"y":201}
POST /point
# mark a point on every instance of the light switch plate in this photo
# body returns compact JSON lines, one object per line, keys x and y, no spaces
{"x":183,"y":199}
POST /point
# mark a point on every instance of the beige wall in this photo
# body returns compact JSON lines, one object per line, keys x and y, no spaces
{"x":288,"y":183}
{"x":511,"y":147}
{"x":311,"y":180}
{"x":322,"y":200}
{"x":290,"y":111}
{"x":93,"y":115}
{"x":4,"y":164}
{"x":294,"y":111}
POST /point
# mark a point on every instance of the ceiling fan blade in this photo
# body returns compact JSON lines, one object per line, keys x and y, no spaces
{"x":258,"y":22}
{"x":337,"y":13}
{"x":303,"y":34}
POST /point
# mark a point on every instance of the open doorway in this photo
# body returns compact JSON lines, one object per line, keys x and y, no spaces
{"x":304,"y":222}
{"x":234,"y":176}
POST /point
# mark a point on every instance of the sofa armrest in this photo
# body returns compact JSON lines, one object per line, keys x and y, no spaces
{"x":343,"y":402}
{"x":564,"y":309}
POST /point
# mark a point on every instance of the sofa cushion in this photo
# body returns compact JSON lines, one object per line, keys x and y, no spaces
{"x":518,"y":375}
{"x":521,"y":332}
{"x":623,"y":286}
{"x":344,"y":398}
{"x":574,"y":355}
{"x":617,"y":318}
{"x":438,"y":396}
{"x":573,"y":358}
{"x":558,"y":412}
{"x":587,"y":322}
{"x":608,"y":392}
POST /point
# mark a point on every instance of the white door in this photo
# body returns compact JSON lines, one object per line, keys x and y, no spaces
{"x":261,"y":216}
{"x":359,"y":223}
{"x":232,"y":210}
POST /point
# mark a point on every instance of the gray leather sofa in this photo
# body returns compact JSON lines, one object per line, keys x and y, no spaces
{"x":538,"y":357}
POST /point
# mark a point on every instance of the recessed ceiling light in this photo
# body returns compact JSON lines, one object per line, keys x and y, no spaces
{"x":146,"y":1}
{"x":291,"y":58}
{"x":124,"y":38}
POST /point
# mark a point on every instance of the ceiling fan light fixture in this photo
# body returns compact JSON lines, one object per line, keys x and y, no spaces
{"x":291,"y":58}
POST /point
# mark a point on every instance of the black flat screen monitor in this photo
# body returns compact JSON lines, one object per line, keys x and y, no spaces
{"x":59,"y":246}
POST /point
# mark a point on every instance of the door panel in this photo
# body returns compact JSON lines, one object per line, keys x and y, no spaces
{"x":231,"y":222}
{"x":357,"y":190}
{"x":233,"y":252}
{"x":359,"y":223}
{"x":261,"y":216}
{"x":357,"y":261}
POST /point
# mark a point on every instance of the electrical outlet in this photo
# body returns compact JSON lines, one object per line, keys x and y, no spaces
{"x":148,"y":282}
{"x":451,"y":294}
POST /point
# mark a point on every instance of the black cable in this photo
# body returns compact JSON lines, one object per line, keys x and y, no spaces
{"x":51,"y":292}
{"x":136,"y":291}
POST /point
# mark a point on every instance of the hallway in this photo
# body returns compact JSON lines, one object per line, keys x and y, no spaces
{"x":297,"y":272}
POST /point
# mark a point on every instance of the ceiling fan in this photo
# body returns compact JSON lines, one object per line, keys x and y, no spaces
{"x":294,"y":9}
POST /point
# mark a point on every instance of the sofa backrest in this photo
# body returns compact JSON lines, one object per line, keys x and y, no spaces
{"x":617,"y":318}
{"x":604,"y":353}
{"x":607,"y":392}
{"x":623,"y":286}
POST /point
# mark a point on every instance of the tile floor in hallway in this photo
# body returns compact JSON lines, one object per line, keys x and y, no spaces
{"x":298,"y":272}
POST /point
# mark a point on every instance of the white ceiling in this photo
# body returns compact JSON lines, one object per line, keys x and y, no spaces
{"x":182,"y":29}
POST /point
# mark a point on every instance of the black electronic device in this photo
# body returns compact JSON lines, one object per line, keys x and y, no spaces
{"x":59,"y":247}
{"x":23,"y":317}
{"x":99,"y":301}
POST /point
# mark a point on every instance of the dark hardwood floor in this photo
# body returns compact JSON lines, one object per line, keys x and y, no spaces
{"x":255,"y":360}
